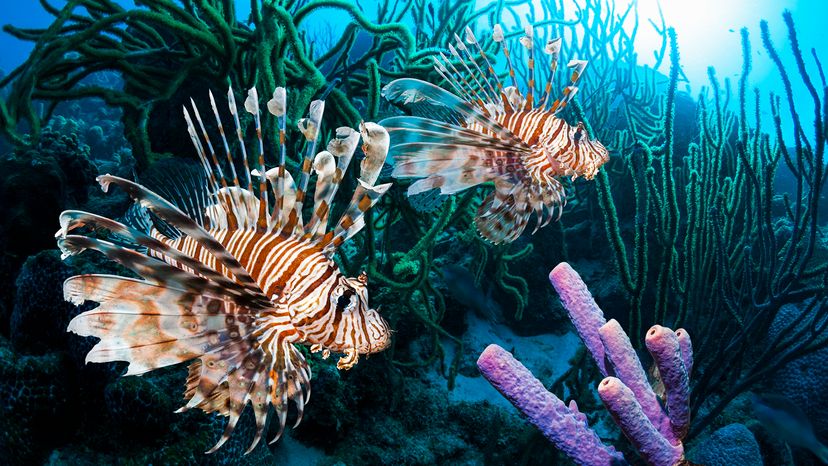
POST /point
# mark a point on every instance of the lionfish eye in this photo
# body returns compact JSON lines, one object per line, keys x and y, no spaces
{"x":344,"y":299}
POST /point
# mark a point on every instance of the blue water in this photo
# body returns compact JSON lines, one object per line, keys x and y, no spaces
{"x":708,"y":31}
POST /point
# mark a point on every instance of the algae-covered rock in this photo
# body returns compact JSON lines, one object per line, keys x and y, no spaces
{"x":40,"y":314}
{"x":36,"y":393}
{"x":804,"y":379}
{"x":730,"y":445}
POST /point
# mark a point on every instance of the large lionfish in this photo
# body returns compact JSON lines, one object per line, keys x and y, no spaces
{"x":488,"y":132}
{"x":230,"y":280}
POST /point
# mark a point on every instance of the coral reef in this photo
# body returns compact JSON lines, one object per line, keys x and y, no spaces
{"x":656,"y":434}
{"x":731,"y":444}
{"x":36,"y":404}
{"x":60,"y":167}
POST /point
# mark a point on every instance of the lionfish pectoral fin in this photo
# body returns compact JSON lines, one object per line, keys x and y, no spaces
{"x":408,"y":91}
{"x":502,"y":219}
{"x":70,"y":220}
{"x":349,"y":360}
{"x":175,"y":217}
{"x":148,"y":325}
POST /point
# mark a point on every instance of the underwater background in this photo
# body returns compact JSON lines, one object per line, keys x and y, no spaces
{"x":710,"y":217}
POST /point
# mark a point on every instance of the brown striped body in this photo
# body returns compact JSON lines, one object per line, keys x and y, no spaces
{"x":324,"y":307}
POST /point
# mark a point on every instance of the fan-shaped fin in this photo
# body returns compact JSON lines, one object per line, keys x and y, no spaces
{"x":73,"y":219}
{"x":182,"y":222}
{"x":152,"y":326}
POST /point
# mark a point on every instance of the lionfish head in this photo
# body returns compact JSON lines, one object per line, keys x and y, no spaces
{"x":371,"y":332}
{"x":589,"y":153}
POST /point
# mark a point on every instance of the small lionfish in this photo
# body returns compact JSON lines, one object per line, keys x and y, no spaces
{"x":487,"y":132}
{"x":231,"y":282}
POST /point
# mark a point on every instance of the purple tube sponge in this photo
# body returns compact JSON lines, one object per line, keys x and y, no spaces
{"x":628,"y":368}
{"x":623,"y":404}
{"x":626,"y":393}
{"x":583,"y":311}
{"x":566,"y":428}
{"x":664,"y":346}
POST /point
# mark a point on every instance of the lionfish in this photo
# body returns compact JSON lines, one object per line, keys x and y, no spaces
{"x":486,"y":132}
{"x":229,"y":280}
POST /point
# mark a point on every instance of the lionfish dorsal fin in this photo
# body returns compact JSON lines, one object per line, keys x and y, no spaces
{"x":251,"y":105}
{"x":528,"y":42}
{"x":309,"y":126}
{"x":341,"y":148}
{"x":375,"y":145}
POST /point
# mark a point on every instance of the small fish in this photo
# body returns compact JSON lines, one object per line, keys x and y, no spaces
{"x":460,"y":283}
{"x":487,"y":132}
{"x":229,"y":280}
{"x":786,"y":421}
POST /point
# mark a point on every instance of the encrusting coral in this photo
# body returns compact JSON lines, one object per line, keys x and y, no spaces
{"x":625,"y":391}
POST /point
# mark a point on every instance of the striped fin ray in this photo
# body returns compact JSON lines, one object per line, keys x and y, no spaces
{"x":553,"y":49}
{"x":501,"y":103}
{"x":444,"y":73}
{"x":375,"y":145}
{"x":73,"y":219}
{"x":325,"y":168}
{"x":528,"y":42}
{"x":499,"y":37}
{"x":465,"y":84}
{"x":352,"y":221}
{"x":171,"y":214}
{"x":251,"y":105}
{"x":577,"y":67}
{"x":407,"y":91}
{"x":342,"y":148}
{"x":227,"y":152}
{"x":309,"y":127}
{"x":277,"y":106}
{"x":152,"y":326}
{"x":231,"y":101}
{"x":478,"y":74}
{"x":202,"y":156}
{"x":219,"y":173}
